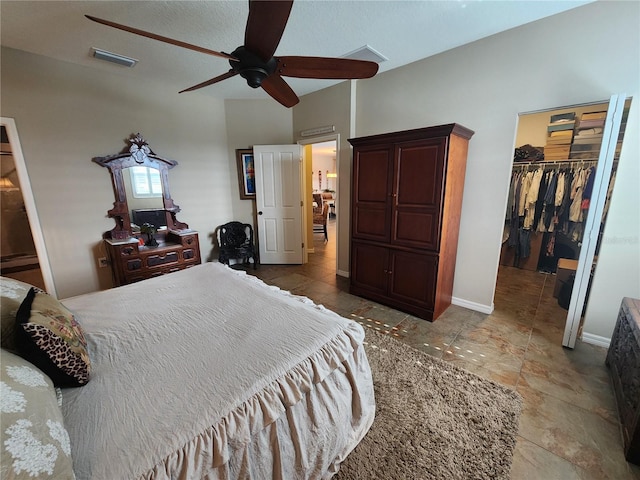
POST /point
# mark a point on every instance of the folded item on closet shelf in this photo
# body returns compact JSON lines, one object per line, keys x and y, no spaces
{"x":562,"y":117}
{"x":591,"y":123}
{"x":528,"y":153}
{"x":587,"y":139}
{"x":589,"y":131}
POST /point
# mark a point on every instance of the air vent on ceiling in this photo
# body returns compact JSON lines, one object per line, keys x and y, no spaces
{"x":113,"y":57}
{"x":366,"y":53}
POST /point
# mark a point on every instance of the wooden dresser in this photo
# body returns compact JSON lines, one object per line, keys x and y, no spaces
{"x":132,"y":262}
{"x":406,"y":201}
{"x":140,"y":180}
{"x":623,"y":360}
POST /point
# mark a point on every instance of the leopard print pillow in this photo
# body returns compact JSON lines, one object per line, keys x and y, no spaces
{"x":50,"y":337}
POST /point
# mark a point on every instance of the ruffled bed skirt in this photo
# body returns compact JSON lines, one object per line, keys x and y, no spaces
{"x":210,"y":373}
{"x":302,"y":427}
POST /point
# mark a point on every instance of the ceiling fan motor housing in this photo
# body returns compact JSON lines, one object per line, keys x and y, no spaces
{"x":251,"y":67}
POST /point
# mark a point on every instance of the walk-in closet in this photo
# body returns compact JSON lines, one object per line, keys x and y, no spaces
{"x":555,"y":161}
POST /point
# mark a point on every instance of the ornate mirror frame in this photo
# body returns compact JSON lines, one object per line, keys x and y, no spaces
{"x":137,"y":153}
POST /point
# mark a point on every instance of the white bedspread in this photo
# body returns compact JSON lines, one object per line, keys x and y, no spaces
{"x":210,"y":373}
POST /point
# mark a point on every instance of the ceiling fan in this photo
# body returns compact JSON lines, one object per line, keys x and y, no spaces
{"x":254,"y":61}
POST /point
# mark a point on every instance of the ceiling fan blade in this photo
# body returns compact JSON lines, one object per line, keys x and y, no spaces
{"x":323,"y":67}
{"x":217,"y":79}
{"x":161,"y":38}
{"x":265,"y":26}
{"x":280,"y":90}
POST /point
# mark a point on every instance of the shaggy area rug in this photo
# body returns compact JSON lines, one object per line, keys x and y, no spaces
{"x":433,"y":420}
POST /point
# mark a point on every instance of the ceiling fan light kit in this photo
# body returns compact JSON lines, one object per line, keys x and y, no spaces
{"x":251,"y":67}
{"x":255,"y":61}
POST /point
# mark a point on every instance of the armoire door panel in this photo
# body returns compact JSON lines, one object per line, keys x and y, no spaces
{"x":371,"y":192}
{"x":417,"y":229}
{"x":413,"y":277}
{"x":369,"y":268}
{"x":369,"y":222}
{"x":372,"y":169}
{"x":419,"y":174}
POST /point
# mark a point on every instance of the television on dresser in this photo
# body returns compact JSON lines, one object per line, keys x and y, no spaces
{"x":154,"y":216}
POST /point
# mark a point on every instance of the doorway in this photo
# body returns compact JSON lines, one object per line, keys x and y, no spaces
{"x":563,"y":166}
{"x":320,"y":189}
{"x":22,"y":248}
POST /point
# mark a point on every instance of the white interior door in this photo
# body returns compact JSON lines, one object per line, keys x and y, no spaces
{"x":279,"y":203}
{"x":594,"y":217}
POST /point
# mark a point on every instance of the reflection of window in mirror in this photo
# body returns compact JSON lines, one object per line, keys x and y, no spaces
{"x":146,"y":182}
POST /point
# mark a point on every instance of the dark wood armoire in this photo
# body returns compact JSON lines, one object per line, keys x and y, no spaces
{"x":405,"y":214}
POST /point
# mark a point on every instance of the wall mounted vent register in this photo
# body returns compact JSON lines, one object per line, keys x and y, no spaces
{"x":406,"y":202}
{"x":177,"y":245}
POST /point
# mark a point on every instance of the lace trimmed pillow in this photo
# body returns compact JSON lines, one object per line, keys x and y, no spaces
{"x":50,"y":337}
{"x":34,"y":441}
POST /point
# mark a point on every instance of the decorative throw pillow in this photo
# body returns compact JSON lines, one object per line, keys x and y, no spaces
{"x":50,"y":337}
{"x":35,"y":443}
{"x":12,"y":293}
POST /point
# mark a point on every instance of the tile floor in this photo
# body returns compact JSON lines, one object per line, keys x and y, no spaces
{"x":569,"y":425}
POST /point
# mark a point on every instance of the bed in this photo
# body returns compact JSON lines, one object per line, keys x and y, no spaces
{"x":208,"y":373}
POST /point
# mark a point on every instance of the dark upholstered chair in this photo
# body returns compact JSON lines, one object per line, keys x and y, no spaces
{"x":320,"y":214}
{"x":235,"y":240}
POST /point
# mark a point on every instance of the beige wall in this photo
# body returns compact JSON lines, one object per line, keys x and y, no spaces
{"x":249,"y":123}
{"x":67,"y":114}
{"x":332,"y":106}
{"x":484,"y":86}
{"x":253,"y":122}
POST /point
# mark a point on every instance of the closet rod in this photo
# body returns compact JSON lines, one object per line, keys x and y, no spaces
{"x":555,"y":163}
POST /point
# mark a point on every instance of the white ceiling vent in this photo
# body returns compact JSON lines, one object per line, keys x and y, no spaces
{"x":113,"y":57}
{"x":366,"y":53}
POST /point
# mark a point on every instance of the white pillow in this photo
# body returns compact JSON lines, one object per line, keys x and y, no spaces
{"x":34,"y":441}
{"x":12,"y":293}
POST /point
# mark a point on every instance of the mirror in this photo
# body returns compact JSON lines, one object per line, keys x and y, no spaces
{"x":141,"y":187}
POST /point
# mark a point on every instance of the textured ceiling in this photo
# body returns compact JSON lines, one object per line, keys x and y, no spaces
{"x":402,"y":31}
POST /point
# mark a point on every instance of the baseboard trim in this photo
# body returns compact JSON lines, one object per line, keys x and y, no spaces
{"x":596,"y":340}
{"x":478,"y":307}
{"x":342,"y":273}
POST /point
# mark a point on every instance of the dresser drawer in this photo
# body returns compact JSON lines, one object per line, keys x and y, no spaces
{"x":189,"y":240}
{"x":162,"y":259}
{"x":132,"y":262}
{"x":189,"y":255}
{"x":126,"y":251}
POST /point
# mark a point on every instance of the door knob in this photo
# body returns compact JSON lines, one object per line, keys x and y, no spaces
{"x":260,"y":213}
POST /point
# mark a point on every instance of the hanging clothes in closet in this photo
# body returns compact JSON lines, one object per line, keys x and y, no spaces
{"x":550,"y":198}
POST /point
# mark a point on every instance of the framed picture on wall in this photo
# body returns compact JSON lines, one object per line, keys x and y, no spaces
{"x":246,"y":173}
